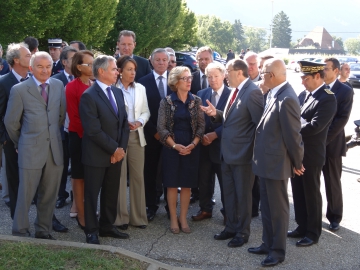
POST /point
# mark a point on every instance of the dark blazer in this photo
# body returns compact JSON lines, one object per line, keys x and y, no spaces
{"x":318,"y":112}
{"x":335,"y":142}
{"x":104,"y":130}
{"x":153,"y":97}
{"x":196,"y":82}
{"x":214,"y":147}
{"x":58,"y":68}
{"x":62,"y":77}
{"x":6,"y":83}
{"x":278,"y":143}
{"x":5,"y":69}
{"x":143,"y":67}
{"x":239,"y":125}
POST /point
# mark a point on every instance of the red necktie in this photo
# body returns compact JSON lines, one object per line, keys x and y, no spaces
{"x":232,"y":100}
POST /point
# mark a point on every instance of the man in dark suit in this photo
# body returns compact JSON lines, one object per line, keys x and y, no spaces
{"x":335,"y":143}
{"x":278,"y":153}
{"x":106,"y":134}
{"x":78,"y":45}
{"x":210,"y":163}
{"x":65,"y":76}
{"x":230,"y":56}
{"x":126,"y":44}
{"x":241,"y":116}
{"x":156,"y":89}
{"x":318,"y":106}
{"x":54,"y":45}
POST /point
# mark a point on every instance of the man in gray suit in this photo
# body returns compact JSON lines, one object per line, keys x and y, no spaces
{"x":35,"y":112}
{"x":278,"y":154}
{"x":242,"y":114}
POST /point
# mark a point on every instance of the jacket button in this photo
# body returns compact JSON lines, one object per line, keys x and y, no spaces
{"x":48,"y":139}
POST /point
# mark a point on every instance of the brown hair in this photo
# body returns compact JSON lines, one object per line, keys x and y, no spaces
{"x":122,"y":61}
{"x":78,"y":60}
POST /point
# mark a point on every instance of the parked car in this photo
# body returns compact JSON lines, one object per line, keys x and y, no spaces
{"x":186,"y":59}
{"x":294,"y":65}
{"x":347,"y":59}
{"x":354,"y":78}
{"x":318,"y":60}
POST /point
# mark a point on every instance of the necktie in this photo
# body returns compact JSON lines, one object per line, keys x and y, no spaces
{"x":232,"y":100}
{"x":161,"y":87}
{"x":307,"y":97}
{"x":111,"y":99}
{"x":71,"y":77}
{"x":204,"y":82}
{"x":24,"y":79}
{"x":327,"y":86}
{"x":213,"y":98}
{"x":43,"y":92}
{"x":267,"y":100}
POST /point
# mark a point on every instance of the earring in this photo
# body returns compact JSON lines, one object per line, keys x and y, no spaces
{"x":120,"y":75}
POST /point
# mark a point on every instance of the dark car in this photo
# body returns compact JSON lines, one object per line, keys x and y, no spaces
{"x":354,"y":78}
{"x":186,"y":59}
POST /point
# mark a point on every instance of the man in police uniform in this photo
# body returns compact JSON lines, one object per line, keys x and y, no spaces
{"x":54,"y":45}
{"x":318,"y":107}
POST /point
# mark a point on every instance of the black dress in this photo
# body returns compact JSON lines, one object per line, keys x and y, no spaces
{"x":178,"y":170}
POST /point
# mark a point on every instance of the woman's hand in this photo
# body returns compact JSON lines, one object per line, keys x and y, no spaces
{"x":134,"y":125}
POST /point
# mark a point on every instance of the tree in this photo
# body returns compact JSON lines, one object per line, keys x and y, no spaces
{"x":281,"y":31}
{"x":240,"y":41}
{"x":255,"y":38}
{"x":339,"y":41}
{"x":353,"y":45}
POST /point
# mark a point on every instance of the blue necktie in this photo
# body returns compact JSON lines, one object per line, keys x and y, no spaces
{"x":112,"y":101}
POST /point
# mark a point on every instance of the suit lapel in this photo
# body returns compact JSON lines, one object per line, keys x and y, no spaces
{"x":105,"y":98}
{"x":239,"y":95}
{"x":34,"y":91}
{"x":224,"y":97}
{"x":51,"y":94}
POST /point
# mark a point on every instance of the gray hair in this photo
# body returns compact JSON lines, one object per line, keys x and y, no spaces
{"x":102,"y":61}
{"x":40,"y":54}
{"x":170,"y":50}
{"x":174,"y":76}
{"x":65,"y":51}
{"x":13,"y":52}
{"x":159,"y":50}
{"x":215,"y":65}
{"x":127,"y":33}
{"x":250,"y":54}
{"x":204,"y":49}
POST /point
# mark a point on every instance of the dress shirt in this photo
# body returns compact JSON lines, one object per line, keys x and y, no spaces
{"x":276,"y":89}
{"x":240,"y":86}
{"x":201,"y":79}
{"x":332,"y":84}
{"x":219,"y":92}
{"x":103,"y":87}
{"x":67,"y":75}
{"x":164,"y":80}
{"x":256,"y":79}
{"x":39,"y":85}
{"x":17,"y":76}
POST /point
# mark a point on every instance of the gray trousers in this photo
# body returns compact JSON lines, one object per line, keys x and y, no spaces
{"x":46,"y":181}
{"x":238,"y":181}
{"x":275,"y":215}
{"x":4,"y":182}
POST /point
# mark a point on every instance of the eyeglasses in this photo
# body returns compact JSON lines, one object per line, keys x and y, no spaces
{"x":263,"y":73}
{"x":88,"y":65}
{"x":228,"y":71}
{"x":186,"y":79}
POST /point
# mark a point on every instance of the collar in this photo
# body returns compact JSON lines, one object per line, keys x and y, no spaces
{"x":175,"y":97}
{"x":17,"y":76}
{"x":241,"y":85}
{"x":201,"y":74}
{"x":39,"y":83}
{"x":313,"y":92}
{"x":103,"y":86}
{"x":256,"y":78}
{"x":219,"y":91}
{"x":66,"y":74}
{"x":132,"y":56}
{"x":157,"y":75}
{"x":277,"y":88}
{"x":332,"y":84}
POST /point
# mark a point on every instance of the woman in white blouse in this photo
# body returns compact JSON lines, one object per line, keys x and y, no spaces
{"x":138,"y":114}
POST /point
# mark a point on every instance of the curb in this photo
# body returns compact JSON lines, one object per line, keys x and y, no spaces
{"x":153,"y":264}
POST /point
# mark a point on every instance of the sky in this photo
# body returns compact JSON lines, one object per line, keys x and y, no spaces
{"x":340,"y":18}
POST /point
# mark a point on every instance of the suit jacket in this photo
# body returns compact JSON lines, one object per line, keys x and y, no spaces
{"x":237,"y":140}
{"x":62,"y":77}
{"x":143,"y":66}
{"x":104,"y":130}
{"x":6,"y":83}
{"x":33,"y":125}
{"x":318,"y":112}
{"x":196,"y":82}
{"x":214,"y":147}
{"x":153,"y":98}
{"x":335,"y":142}
{"x":58,"y":68}
{"x":278,"y":143}
{"x":141,"y":109}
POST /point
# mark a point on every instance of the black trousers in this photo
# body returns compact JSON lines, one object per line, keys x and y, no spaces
{"x":63,"y":194}
{"x":332,"y":176}
{"x":152,"y":157}
{"x":256,"y":196}
{"x":308,"y":202}
{"x":207,"y":171}
{"x":12,"y":174}
{"x":105,"y":180}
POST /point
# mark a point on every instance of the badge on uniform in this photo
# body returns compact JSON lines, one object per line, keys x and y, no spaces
{"x":327,"y":90}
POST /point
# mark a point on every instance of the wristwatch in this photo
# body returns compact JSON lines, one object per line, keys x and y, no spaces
{"x":174,"y":146}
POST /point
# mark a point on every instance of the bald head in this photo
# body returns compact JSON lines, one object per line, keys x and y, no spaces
{"x":274,"y":71}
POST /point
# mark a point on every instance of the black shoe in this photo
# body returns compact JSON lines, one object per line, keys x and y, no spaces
{"x":92,"y":239}
{"x":237,"y":241}
{"x":79,"y":224}
{"x":258,"y":250}
{"x":41,"y":235}
{"x":57,"y":226}
{"x":141,"y":226}
{"x":270,"y":261}
{"x":305,"y":242}
{"x":194,"y":198}
{"x":150,"y":214}
{"x":224,"y":235}
{"x":60,"y":203}
{"x":295,"y":234}
{"x":334,"y":226}
{"x":123,"y":227}
{"x":113,"y":233}
{"x":255,"y":214}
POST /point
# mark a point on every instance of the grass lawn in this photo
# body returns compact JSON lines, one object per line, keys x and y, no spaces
{"x":17,"y":255}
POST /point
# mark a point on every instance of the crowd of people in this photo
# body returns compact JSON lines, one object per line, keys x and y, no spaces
{"x":160,"y":129}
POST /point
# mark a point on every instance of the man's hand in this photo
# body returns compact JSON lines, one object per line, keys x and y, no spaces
{"x":157,"y":136}
{"x":205,"y":141}
{"x":209,"y":110}
{"x":118,"y":155}
{"x":299,"y":172}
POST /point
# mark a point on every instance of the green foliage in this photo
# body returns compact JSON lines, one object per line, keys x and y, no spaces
{"x":240,"y":41}
{"x":255,"y":38}
{"x":155,"y":23}
{"x":353,"y":45}
{"x":339,"y":41}
{"x":281,"y":31}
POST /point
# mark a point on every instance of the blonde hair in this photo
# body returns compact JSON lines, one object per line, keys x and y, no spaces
{"x":174,"y":76}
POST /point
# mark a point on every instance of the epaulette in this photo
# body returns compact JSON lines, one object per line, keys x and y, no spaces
{"x":329,"y":91}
